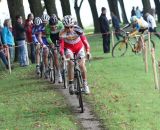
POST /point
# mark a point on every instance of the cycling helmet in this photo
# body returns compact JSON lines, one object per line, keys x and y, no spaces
{"x":45,"y":17}
{"x":68,"y":20}
{"x":37,"y":21}
{"x":133,"y":19}
{"x":53,"y":20}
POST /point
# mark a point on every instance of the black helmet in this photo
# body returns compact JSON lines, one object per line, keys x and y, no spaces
{"x":53,"y":20}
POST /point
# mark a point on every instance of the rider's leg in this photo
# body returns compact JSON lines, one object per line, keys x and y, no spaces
{"x":69,"y":55}
{"x":45,"y":57}
{"x":38,"y":58}
{"x":56,"y":62}
{"x":82,"y":65}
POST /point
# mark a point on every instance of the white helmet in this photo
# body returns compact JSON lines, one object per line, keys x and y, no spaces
{"x":68,"y":20}
{"x":45,"y":17}
{"x":37,"y":21}
{"x":133,"y":19}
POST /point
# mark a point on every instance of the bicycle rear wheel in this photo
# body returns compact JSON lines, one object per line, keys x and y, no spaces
{"x":41,"y":69}
{"x":152,"y":44}
{"x":119,"y":49}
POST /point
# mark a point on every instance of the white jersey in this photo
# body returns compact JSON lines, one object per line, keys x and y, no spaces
{"x":151,"y":22}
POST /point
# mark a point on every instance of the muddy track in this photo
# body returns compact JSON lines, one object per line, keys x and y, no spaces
{"x":87,"y":119}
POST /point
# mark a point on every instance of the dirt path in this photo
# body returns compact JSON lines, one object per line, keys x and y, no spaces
{"x":87,"y":119}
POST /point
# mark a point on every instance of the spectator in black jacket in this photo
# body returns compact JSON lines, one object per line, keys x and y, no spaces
{"x":20,"y":38}
{"x":104,"y":27}
{"x":116,"y":25}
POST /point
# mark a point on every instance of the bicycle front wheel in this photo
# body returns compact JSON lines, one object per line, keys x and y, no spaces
{"x":119,"y":49}
{"x":79,"y":94}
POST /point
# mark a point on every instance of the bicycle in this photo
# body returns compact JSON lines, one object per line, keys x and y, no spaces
{"x":77,"y":82}
{"x":120,"y":48}
{"x":51,"y":67}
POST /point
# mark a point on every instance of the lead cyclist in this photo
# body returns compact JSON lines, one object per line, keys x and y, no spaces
{"x":73,"y":41}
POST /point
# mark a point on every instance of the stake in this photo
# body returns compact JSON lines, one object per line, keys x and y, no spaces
{"x":159,"y":71}
{"x":112,"y":39}
{"x":144,"y":47}
{"x":154,"y":68}
{"x":9,"y":63}
{"x":149,"y":41}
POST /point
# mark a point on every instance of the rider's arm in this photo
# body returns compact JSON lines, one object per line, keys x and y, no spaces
{"x":135,"y":30}
{"x":34,"y":39}
{"x":40,"y":38}
{"x":48,"y":34}
{"x":61,"y":42}
{"x":85,"y":42}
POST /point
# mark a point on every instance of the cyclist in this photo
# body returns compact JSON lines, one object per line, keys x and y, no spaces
{"x":43,"y":41}
{"x":139,"y":25}
{"x":73,"y":41}
{"x":35,"y":32}
{"x":52,"y":34}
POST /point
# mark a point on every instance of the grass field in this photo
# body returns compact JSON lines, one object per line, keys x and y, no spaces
{"x":27,"y":103}
{"x":122,"y":95}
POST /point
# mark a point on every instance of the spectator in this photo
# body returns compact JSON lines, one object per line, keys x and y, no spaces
{"x":138,"y":12}
{"x":28,"y":28}
{"x":152,"y":24}
{"x":116,"y":25}
{"x":2,"y":55}
{"x":133,"y":12}
{"x":8,"y":39}
{"x":104,"y":27}
{"x":20,"y":38}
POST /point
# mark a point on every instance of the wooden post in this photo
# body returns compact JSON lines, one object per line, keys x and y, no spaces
{"x":149,"y":41}
{"x":144,"y":50}
{"x":154,"y":68}
{"x":145,"y":58}
{"x":9,"y":63}
{"x":159,"y":72}
{"x":112,"y":39}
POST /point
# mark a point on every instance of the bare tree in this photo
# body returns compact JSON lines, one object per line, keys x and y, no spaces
{"x":65,"y":7}
{"x":50,"y":7}
{"x":113,"y":6}
{"x":77,"y":10}
{"x":15,"y":8}
{"x":157,"y":4}
{"x":124,"y":16}
{"x":36,"y":7}
{"x":146,"y":6}
{"x":93,"y":7}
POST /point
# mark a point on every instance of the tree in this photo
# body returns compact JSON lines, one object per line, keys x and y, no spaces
{"x":157,"y":5}
{"x":36,"y":7}
{"x":15,"y":8}
{"x":50,"y":7}
{"x":146,"y":6}
{"x":65,"y":7}
{"x":124,"y":16}
{"x":93,"y":7}
{"x":113,"y":6}
{"x":77,"y":10}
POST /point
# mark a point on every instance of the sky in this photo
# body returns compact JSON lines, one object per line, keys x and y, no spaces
{"x":85,"y":12}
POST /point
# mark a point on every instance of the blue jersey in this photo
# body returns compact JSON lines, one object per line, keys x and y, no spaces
{"x":35,"y":32}
{"x":42,"y":30}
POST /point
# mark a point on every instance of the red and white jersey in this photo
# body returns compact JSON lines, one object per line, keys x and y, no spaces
{"x":73,"y":41}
